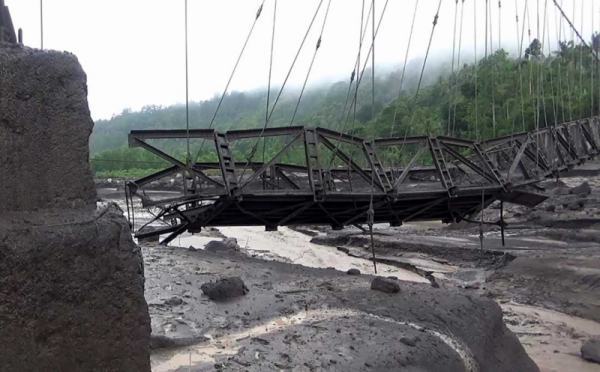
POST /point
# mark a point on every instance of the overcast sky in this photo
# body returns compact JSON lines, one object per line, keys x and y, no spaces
{"x":134,"y":51}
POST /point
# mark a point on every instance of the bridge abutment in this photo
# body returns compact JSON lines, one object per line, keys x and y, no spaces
{"x":71,"y":277}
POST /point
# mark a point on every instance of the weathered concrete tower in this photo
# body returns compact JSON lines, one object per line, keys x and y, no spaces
{"x":71,"y":277}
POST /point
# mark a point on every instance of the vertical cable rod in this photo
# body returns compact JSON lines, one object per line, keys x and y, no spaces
{"x":42,"y":23}
{"x":187,"y":89}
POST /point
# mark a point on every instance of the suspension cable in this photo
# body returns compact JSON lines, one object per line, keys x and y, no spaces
{"x":255,"y":147}
{"x":356,"y":66}
{"x":371,"y":211}
{"x":355,"y":98}
{"x":581,"y":68}
{"x":487,"y":3}
{"x":569,"y":81}
{"x":212,"y":121}
{"x":412,"y":26}
{"x":452,"y":71}
{"x":558,"y":21}
{"x":573,"y":29}
{"x":187,"y":90}
{"x":475,"y":72}
{"x":270,"y":74}
{"x":521,"y":63}
{"x":359,"y":80}
{"x":530,"y":85}
{"x":311,"y":63}
{"x":592,"y":67}
{"x":551,"y":72}
{"x":499,"y":24}
{"x":435,"y":21}
{"x":462,"y":11}
{"x":361,"y":35}
{"x":493,"y":62}
{"x":543,"y":64}
{"x":271,"y":61}
{"x":42,"y":24}
{"x":563,"y":58}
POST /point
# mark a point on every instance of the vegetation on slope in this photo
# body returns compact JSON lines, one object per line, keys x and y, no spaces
{"x":497,"y":96}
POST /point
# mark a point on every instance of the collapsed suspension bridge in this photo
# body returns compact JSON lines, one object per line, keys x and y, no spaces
{"x":346,"y":180}
{"x":466,"y":177}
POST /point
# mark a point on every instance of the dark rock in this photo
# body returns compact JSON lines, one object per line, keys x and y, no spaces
{"x":232,"y":243}
{"x":353,"y":272}
{"x":550,"y":208}
{"x":385,"y":285}
{"x":560,"y":191}
{"x":575,"y":206}
{"x":216,"y":246}
{"x":590,"y":350}
{"x":192,"y":249}
{"x":225,"y":288}
{"x":165,"y":342}
{"x":261,"y":341}
{"x":584,"y":188}
{"x":409,"y":341}
{"x":552,"y":184}
{"x":174,"y":301}
{"x":393,"y":277}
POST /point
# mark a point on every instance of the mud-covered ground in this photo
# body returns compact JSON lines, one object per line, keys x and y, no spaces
{"x":546,"y":277}
{"x":546,"y":280}
{"x":309,"y":319}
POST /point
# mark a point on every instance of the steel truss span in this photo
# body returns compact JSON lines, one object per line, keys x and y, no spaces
{"x":409,"y":179}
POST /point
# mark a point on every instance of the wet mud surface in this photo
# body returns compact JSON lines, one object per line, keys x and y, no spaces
{"x":308,"y":319}
{"x":545,"y":280}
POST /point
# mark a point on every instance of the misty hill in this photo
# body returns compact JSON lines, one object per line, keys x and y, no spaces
{"x":319,"y":106}
{"x":497,"y":96}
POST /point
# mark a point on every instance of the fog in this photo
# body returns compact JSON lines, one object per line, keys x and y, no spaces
{"x":134,"y":50}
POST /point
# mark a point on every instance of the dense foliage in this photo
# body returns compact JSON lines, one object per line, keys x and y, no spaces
{"x":497,"y":96}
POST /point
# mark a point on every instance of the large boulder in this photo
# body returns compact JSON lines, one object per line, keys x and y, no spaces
{"x":590,"y":350}
{"x":45,"y":125}
{"x":225,"y":288}
{"x":584,"y":188}
{"x":228,"y":245}
{"x":385,"y":285}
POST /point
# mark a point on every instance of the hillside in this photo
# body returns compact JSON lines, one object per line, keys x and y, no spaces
{"x":498,"y":96}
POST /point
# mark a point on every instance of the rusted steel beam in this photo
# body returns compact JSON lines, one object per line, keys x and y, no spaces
{"x":345,"y":158}
{"x":275,"y":158}
{"x":406,"y":170}
{"x":176,"y":162}
{"x":518,"y":158}
{"x":347,"y":138}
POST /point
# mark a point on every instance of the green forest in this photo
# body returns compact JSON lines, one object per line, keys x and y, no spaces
{"x":498,"y":95}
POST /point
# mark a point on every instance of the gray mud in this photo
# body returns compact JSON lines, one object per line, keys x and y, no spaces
{"x":318,"y":319}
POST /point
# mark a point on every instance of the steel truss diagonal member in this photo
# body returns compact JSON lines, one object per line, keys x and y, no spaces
{"x":346,"y":159}
{"x":174,"y":161}
{"x":266,"y":166}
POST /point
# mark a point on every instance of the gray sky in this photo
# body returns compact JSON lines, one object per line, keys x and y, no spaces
{"x":133,"y":50}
